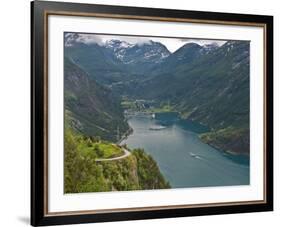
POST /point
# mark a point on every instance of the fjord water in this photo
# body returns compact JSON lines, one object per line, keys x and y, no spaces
{"x":184,"y":160}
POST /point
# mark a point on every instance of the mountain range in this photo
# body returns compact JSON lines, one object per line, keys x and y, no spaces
{"x":204,"y":83}
{"x":212,"y":88}
{"x":115,"y":60}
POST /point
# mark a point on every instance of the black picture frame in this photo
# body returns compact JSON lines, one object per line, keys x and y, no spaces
{"x":39,"y":121}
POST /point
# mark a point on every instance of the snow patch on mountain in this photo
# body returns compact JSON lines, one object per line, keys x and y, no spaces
{"x":131,"y":53}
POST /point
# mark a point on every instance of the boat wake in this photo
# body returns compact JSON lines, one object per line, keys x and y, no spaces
{"x":156,"y":128}
{"x":195,"y":155}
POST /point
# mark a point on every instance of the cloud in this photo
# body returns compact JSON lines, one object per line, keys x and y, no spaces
{"x":172,"y":44}
{"x":102,"y":39}
{"x":70,"y":37}
{"x":129,"y":39}
{"x":89,"y":39}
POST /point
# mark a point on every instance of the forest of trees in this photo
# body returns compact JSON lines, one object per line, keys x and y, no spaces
{"x":82,"y":173}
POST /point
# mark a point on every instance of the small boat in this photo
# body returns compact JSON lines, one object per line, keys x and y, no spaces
{"x":153,"y":115}
{"x":194,"y":155}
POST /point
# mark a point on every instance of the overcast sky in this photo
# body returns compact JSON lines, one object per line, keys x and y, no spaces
{"x":171,"y":43}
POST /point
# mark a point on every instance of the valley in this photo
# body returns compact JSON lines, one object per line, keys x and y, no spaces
{"x":202,"y":89}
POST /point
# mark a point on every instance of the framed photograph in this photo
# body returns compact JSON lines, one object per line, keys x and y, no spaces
{"x":142,"y":113}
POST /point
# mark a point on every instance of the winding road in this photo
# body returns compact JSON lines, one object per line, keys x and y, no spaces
{"x":126,"y":154}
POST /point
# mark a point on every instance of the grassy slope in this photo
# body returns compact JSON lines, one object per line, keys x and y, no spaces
{"x":107,"y":150}
{"x":84,"y":174}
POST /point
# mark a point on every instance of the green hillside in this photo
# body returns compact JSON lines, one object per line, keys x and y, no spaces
{"x":98,"y":63}
{"x":83,"y":173}
{"x":233,"y":140}
{"x":90,"y":108}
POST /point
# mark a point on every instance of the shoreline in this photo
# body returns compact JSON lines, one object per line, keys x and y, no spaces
{"x":229,"y":140}
{"x":130,"y":131}
{"x":224,"y":151}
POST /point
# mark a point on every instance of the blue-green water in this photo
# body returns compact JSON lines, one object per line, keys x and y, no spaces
{"x":183,"y":159}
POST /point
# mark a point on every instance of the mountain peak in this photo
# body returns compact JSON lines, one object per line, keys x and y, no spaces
{"x":191,"y":45}
{"x":211,"y":46}
{"x":132,"y":53}
{"x":115,"y":43}
{"x":207,"y":48}
{"x":187,"y":51}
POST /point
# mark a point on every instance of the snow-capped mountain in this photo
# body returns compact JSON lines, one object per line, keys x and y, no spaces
{"x":207,"y":48}
{"x":130,"y":53}
{"x":140,"y":56}
{"x":70,"y":39}
{"x":118,"y":48}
